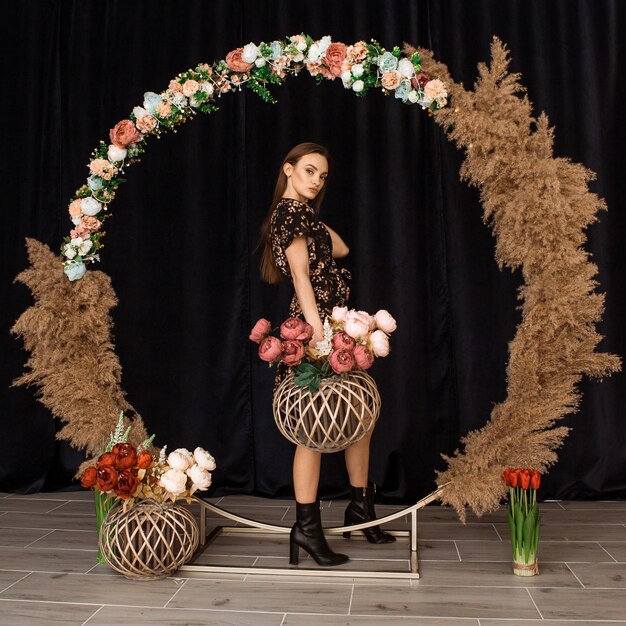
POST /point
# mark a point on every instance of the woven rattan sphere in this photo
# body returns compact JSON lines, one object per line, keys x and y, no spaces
{"x":342,"y":411}
{"x":149,"y":540}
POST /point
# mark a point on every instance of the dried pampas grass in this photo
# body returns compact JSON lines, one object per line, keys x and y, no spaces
{"x":538,"y":207}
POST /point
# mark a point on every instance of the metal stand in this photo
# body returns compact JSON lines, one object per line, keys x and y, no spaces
{"x":261,"y":529}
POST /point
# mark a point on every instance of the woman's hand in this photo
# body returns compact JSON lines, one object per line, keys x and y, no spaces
{"x":318,"y":335}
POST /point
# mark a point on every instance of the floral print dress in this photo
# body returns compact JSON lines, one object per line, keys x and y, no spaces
{"x":290,"y":219}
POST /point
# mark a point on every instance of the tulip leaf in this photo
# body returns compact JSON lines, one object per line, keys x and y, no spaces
{"x":511,"y":520}
{"x":519,"y":524}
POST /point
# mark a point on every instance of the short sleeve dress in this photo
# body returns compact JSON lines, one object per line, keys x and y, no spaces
{"x":291,"y":219}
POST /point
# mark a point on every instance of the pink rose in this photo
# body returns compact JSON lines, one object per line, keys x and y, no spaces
{"x":124,"y":133}
{"x":92,"y":224}
{"x":391,"y":79}
{"x":306,"y":334}
{"x":190,"y":87}
{"x":341,"y":360}
{"x":270,"y":349}
{"x":363,"y":357}
{"x":343,"y":341}
{"x":75,"y":208}
{"x":297,"y":39}
{"x":356,"y":53}
{"x":175,"y":86}
{"x":79,"y":231}
{"x":318,"y":68}
{"x":357,"y":324}
{"x":164,"y":109}
{"x":339,"y":313}
{"x":385,"y":321}
{"x":335,"y":54}
{"x":379,"y":343}
{"x":292,"y":352}
{"x":235,"y":63}
{"x":420,"y":80}
{"x":260,"y":330}
{"x":147,"y":123}
{"x":102,"y":168}
{"x":291,"y":328}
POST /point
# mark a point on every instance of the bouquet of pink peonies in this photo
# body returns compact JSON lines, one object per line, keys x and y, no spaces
{"x":352,"y":339}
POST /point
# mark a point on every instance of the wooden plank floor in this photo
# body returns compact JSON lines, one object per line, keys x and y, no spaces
{"x":49,"y":574}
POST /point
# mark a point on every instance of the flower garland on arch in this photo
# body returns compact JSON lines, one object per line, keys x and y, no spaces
{"x":361,"y":67}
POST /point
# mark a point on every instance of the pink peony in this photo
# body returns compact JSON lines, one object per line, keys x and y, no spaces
{"x":270,"y":349}
{"x":335,"y":54}
{"x":339,"y":313}
{"x":235,"y":62}
{"x":318,"y":68}
{"x":385,"y":321}
{"x":391,"y":79}
{"x":379,"y":343}
{"x":175,"y":86}
{"x":260,"y":330}
{"x":341,"y":360}
{"x":147,"y":123}
{"x":92,"y":224}
{"x":75,"y":208}
{"x":363,"y":357}
{"x":291,"y":328}
{"x":343,"y":341}
{"x":306,"y":334}
{"x":124,"y":133}
{"x":79,"y":231}
{"x":292,"y":352}
{"x":357,"y":324}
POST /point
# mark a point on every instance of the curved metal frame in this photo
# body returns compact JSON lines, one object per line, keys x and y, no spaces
{"x":257,"y":528}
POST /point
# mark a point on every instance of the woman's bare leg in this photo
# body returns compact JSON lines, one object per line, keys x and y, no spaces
{"x":306,"y":474}
{"x":358,"y":460}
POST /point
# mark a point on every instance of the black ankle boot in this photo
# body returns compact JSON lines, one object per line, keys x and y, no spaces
{"x":361,"y":509}
{"x":307,"y":533}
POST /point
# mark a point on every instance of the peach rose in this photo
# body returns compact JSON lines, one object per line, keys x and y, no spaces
{"x":147,"y":123}
{"x":379,"y":343}
{"x":124,"y":133}
{"x":75,"y":208}
{"x":335,"y":54}
{"x":434,"y":88}
{"x":391,"y":79}
{"x":291,"y":328}
{"x":270,"y":349}
{"x":363,"y":357}
{"x":260,"y":330}
{"x":356,"y":52}
{"x":235,"y":62}
{"x":190,"y":87}
{"x":318,"y":68}
{"x":91,"y":223}
{"x":292,"y":352}
{"x":102,"y":168}
{"x":175,"y":86}
{"x":164,"y":109}
{"x":343,"y":341}
{"x":341,"y":361}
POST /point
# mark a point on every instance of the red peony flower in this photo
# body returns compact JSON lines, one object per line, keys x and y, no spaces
{"x":334,"y":57}
{"x":235,"y":63}
{"x":292,"y":352}
{"x":270,"y":349}
{"x":126,"y":456}
{"x":124,"y":133}
{"x":306,"y":334}
{"x":260,"y":330}
{"x":341,"y":361}
{"x":363,"y":357}
{"x":90,"y":475}
{"x":107,"y":478}
{"x":420,"y":80}
{"x":291,"y":328}
{"x":343,"y":341}
{"x":108,"y":458}
{"x":127,"y":482}
{"x":144,"y":460}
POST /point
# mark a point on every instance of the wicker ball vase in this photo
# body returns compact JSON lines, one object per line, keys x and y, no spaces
{"x":343,"y":410}
{"x":149,"y":540}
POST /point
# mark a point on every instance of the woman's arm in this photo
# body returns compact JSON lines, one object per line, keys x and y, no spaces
{"x":340,"y":249}
{"x":298,"y":258}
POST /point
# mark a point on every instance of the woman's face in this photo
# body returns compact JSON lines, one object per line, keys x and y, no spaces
{"x":306,"y":178}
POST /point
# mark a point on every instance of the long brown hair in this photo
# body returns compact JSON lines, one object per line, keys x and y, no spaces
{"x":269,"y":272}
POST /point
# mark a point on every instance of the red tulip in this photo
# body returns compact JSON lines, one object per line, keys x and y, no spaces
{"x":505,"y":477}
{"x":514,"y":478}
{"x":525,"y":478}
{"x":535,"y":481}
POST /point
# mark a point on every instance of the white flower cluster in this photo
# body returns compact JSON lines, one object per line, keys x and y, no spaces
{"x":183,"y":468}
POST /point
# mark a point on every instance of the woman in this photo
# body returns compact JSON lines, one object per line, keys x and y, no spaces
{"x":301,"y":248}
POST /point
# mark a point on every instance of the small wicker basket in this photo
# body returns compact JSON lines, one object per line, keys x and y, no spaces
{"x":343,"y":410}
{"x":149,"y":540}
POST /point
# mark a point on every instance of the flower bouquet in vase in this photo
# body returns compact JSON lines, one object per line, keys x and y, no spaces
{"x":327,"y":401}
{"x":523,"y":518}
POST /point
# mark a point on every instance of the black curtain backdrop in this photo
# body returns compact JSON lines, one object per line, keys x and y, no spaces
{"x":180,"y":247}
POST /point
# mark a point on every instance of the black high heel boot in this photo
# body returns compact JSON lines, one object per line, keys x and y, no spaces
{"x":307,"y":533}
{"x":361,"y":509}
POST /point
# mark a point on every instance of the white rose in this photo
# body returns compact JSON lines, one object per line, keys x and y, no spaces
{"x":204,"y":459}
{"x":207,"y":87}
{"x":323,"y":43}
{"x":314,"y":53}
{"x":116,"y":154}
{"x":405,"y":67}
{"x":358,"y":86}
{"x":186,"y":453}
{"x":412,"y":97}
{"x":77,"y":220}
{"x":357,"y":70}
{"x":174,"y":481}
{"x":301,"y":45}
{"x":346,"y":79}
{"x":379,"y":343}
{"x":69,"y":251}
{"x":425,"y":101}
{"x":200,"y":478}
{"x":84,"y":247}
{"x":90,"y":206}
{"x":298,"y":58}
{"x":260,"y":62}
{"x":250,"y":53}
{"x":178,"y":461}
{"x":385,"y":321}
{"x":139,"y":112}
